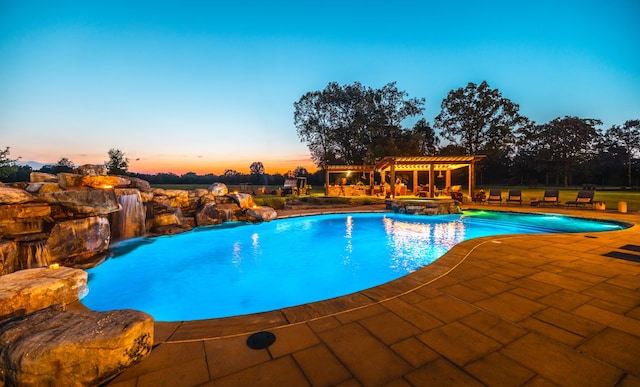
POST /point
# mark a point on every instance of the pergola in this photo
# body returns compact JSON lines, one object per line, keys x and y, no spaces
{"x":431,"y":164}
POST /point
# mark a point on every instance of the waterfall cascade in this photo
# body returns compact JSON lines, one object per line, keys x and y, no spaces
{"x":34,"y":254}
{"x":129,"y":222}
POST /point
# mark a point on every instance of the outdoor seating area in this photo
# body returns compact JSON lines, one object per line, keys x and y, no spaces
{"x":550,"y":197}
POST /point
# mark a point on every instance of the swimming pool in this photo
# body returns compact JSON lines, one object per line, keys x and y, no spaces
{"x":237,"y":269}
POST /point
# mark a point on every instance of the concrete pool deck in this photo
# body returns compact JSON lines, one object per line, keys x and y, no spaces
{"x":534,"y":310}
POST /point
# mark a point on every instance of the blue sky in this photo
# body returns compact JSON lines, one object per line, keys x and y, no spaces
{"x":205,"y":86}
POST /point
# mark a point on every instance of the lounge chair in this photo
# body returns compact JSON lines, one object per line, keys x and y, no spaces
{"x":495,"y":195}
{"x":550,"y":197}
{"x":514,"y":196}
{"x":584,"y":198}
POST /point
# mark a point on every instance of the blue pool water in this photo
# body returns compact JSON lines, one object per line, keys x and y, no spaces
{"x":239,"y":269}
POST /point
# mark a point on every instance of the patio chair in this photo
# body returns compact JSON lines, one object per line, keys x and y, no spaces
{"x":550,"y":197}
{"x":479,"y":197}
{"x":495,"y":195}
{"x":456,"y":193}
{"x":514,"y":196}
{"x":584,"y":198}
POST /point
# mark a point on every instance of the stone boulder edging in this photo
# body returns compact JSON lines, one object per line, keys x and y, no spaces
{"x":29,"y":290}
{"x":72,"y":347}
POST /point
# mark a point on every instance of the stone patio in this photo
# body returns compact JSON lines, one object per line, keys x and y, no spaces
{"x":534,"y":310}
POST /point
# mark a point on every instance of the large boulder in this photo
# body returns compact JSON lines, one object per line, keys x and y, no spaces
{"x":83,"y":202}
{"x":218,"y":189}
{"x":26,"y":291}
{"x":108,"y":181}
{"x":208,"y":214}
{"x":243,"y":200}
{"x":92,"y":169}
{"x":26,"y":218}
{"x":54,"y":347}
{"x":69,"y":180}
{"x":78,"y":239}
{"x":140,"y":184}
{"x":8,"y":257}
{"x":42,"y":187}
{"x":41,"y":177}
{"x":177,"y":197}
{"x":10,"y":195}
{"x":261,"y":214}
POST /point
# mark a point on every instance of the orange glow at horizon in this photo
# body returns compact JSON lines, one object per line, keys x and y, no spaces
{"x":204,"y":167}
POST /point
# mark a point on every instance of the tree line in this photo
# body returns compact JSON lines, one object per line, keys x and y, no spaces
{"x":353,"y":124}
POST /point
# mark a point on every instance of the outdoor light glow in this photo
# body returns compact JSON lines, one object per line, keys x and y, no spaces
{"x":107,"y":186}
{"x":54,"y":266}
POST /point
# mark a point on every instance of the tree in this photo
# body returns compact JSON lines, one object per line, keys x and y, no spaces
{"x":230,"y":173}
{"x":478,"y":118}
{"x":256,"y":168}
{"x":563,"y":144}
{"x":353,"y":124}
{"x":426,"y":138}
{"x":7,"y":166}
{"x":628,"y":138}
{"x":65,"y":162}
{"x":63,"y":165}
{"x":117,"y":164}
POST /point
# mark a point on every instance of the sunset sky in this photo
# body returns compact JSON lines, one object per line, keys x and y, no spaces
{"x":205,"y":86}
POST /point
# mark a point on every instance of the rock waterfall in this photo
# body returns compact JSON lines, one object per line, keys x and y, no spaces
{"x":130,"y":221}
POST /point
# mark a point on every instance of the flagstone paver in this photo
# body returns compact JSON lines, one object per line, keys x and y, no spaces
{"x":496,"y":369}
{"x":510,"y":306}
{"x":229,"y":355}
{"x":389,"y":327}
{"x":541,"y":310}
{"x":369,"y":359}
{"x":446,"y":308}
{"x":615,"y":347}
{"x":459,"y":343}
{"x":560,"y":364}
{"x":321,"y":367}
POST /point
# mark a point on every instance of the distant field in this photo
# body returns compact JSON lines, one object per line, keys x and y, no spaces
{"x":611,"y":198}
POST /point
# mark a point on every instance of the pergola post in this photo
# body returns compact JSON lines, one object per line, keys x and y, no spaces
{"x":326,"y":182}
{"x":472,"y":180}
{"x":415,"y":181}
{"x":392,"y":180}
{"x":432,"y":177}
{"x":371,"y":182}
